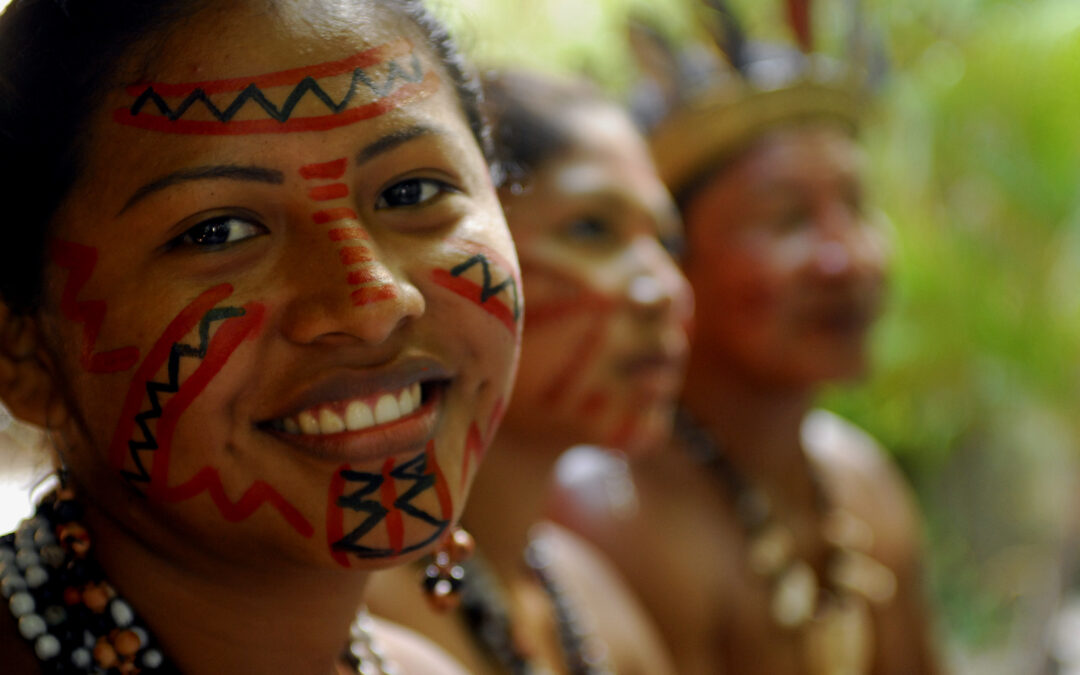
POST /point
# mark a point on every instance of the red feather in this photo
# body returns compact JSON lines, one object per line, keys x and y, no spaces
{"x":799,"y":16}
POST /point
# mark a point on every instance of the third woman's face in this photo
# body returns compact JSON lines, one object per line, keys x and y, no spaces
{"x":273,"y":315}
{"x":605,"y":335}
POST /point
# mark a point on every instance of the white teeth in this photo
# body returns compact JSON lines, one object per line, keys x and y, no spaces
{"x":387,"y":409}
{"x":405,"y":404}
{"x":358,"y":416}
{"x":330,"y":423}
{"x":308,"y":424}
{"x":291,"y":426}
{"x":416,"y":398}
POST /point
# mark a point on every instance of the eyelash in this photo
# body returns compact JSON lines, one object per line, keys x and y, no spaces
{"x":425,"y":185}
{"x":210,"y":227}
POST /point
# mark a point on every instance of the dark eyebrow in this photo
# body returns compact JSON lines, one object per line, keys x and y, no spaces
{"x":393,"y":140}
{"x":257,"y":174}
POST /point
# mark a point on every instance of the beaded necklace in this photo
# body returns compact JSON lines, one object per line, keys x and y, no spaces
{"x":831,"y":614}
{"x":77,"y":622}
{"x":484,"y":607}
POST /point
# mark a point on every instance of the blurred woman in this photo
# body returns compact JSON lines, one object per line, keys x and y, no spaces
{"x":602,"y":361}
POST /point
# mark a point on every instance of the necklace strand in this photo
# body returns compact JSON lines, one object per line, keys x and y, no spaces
{"x":75,"y":620}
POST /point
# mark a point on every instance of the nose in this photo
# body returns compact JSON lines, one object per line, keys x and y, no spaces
{"x":845,"y":244}
{"x":344,"y":290}
{"x":656,"y":287}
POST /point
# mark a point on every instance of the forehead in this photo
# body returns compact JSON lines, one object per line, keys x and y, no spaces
{"x":810,"y":151}
{"x":253,"y":81}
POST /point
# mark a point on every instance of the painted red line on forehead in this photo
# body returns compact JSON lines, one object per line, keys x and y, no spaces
{"x":330,"y":215}
{"x":446,"y":504}
{"x":329,"y":170}
{"x":324,"y":193}
{"x":281,"y":78}
{"x":395,"y":528}
{"x":335,"y":515}
{"x":354,"y":254}
{"x":407,"y":93}
{"x":473,"y":291}
{"x":349,"y":234}
{"x":183,"y":324}
{"x":372,"y":294}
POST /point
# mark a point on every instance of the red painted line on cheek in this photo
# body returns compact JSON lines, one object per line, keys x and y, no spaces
{"x":575,"y":369}
{"x":594,"y":404}
{"x":330,"y":215}
{"x":442,"y":490}
{"x":208,"y":480}
{"x":325,"y":193}
{"x":180,"y":326}
{"x":335,"y":516}
{"x":354,"y":255}
{"x":474,"y":449}
{"x":495,"y":419}
{"x":331,"y":170}
{"x":80,"y":260}
{"x":395,"y":528}
{"x":473,"y":292}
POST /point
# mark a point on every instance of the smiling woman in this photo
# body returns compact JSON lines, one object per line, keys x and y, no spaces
{"x":225,"y":298}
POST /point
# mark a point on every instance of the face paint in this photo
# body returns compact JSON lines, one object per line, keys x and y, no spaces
{"x":474,"y":279}
{"x":80,"y":261}
{"x":379,"y":500}
{"x":476,"y":443}
{"x":376,"y":81}
{"x":143,"y":456}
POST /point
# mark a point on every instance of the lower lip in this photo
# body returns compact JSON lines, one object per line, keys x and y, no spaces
{"x":408,"y":435}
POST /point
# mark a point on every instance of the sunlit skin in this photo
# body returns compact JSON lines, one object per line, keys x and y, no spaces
{"x":309,"y":344}
{"x":591,"y":225}
{"x":789,"y":274}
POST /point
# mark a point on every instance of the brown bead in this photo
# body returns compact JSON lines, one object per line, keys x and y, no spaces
{"x":95,"y":597}
{"x":128,"y":668}
{"x":72,"y":596}
{"x":126,"y":643}
{"x":460,"y":545}
{"x":104,"y":654}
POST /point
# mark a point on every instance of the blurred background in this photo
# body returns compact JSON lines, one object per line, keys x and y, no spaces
{"x":975,"y":163}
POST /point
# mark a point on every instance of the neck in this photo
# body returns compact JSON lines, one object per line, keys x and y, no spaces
{"x":756,"y":424}
{"x":507,"y":500}
{"x":215,"y":616}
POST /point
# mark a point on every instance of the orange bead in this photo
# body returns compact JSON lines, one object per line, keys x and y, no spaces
{"x":126,"y":643}
{"x":104,"y":654}
{"x":96,"y":598}
{"x":461,"y":545}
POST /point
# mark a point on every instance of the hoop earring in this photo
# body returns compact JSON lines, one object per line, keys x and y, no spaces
{"x":444,"y":575}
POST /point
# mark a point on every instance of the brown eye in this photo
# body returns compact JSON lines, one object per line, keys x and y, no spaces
{"x":218,"y":232}
{"x":412,"y":192}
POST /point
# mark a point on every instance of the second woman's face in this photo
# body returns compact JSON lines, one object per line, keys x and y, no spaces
{"x":605,"y":336}
{"x":282,"y":294}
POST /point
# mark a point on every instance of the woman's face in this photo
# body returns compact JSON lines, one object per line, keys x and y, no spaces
{"x":605,"y":336}
{"x":282,"y":294}
{"x":789,"y":271}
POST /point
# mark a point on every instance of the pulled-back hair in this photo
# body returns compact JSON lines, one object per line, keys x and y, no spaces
{"x":58,"y":58}
{"x":527,"y":114}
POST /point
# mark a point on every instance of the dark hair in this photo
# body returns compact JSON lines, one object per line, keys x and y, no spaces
{"x":527,"y":114}
{"x":57,"y":60}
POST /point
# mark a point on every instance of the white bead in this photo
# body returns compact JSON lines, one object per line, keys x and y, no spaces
{"x":31,"y":626}
{"x":36,"y":576}
{"x":11,"y":584}
{"x":144,"y":638}
{"x":47,"y":647}
{"x":81,"y":658}
{"x":52,"y":555}
{"x":54,"y":615}
{"x":6,"y":554}
{"x":44,"y":537}
{"x":21,"y":604}
{"x":26,"y":558}
{"x":88,"y":639}
{"x":122,"y":613}
{"x":152,"y":658}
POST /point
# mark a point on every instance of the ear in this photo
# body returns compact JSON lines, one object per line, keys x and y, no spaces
{"x":28,"y":385}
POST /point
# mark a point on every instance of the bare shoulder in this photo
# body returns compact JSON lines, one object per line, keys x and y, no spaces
{"x":414,"y":653}
{"x":864,"y":480}
{"x":605,"y":602}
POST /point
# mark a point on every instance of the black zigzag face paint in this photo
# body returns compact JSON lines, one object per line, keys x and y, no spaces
{"x":360,"y":87}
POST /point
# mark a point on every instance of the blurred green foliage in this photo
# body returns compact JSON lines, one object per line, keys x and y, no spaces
{"x":975,"y":162}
